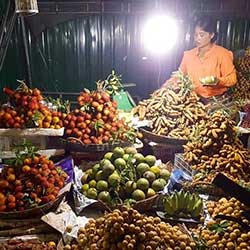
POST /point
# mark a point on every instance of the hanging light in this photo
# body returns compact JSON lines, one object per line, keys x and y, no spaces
{"x":160,"y":34}
{"x":26,"y":7}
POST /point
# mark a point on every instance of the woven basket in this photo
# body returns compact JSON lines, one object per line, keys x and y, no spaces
{"x":33,"y":212}
{"x":147,"y":134}
{"x":146,"y":205}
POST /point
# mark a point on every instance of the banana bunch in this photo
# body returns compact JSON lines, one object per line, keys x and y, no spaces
{"x":173,"y":109}
{"x":183,"y":204}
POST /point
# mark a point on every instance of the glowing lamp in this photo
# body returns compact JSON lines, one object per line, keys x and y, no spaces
{"x":160,"y":34}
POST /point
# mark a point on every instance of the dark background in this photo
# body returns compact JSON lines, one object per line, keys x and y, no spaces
{"x":72,"y":44}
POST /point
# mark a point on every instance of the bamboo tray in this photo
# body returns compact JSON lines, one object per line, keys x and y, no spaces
{"x":147,"y":134}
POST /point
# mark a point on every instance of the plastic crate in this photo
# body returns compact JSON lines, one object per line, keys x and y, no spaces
{"x":180,"y":163}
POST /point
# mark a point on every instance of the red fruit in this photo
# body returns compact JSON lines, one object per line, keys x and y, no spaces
{"x":34,"y":171}
{"x":68,"y":131}
{"x":45,"y":166}
{"x":39,"y":190}
{"x":7,"y":116}
{"x":60,"y":184}
{"x":97,"y":96}
{"x":72,"y":124}
{"x":36,"y":92}
{"x":29,"y":184}
{"x":8,"y":91}
{"x":45,"y":184}
{"x":18,"y":189}
{"x":10,"y":171}
{"x":45,"y":199}
{"x":51,"y":180}
{"x":12,"y":205}
{"x":2,"y":208}
{"x":33,"y":196}
{"x":11,"y":198}
{"x":105,"y":138}
{"x":19,"y":196}
{"x":17,"y":125}
{"x":80,"y":119}
{"x":88,"y":117}
{"x":87,"y":141}
{"x":51,"y":197}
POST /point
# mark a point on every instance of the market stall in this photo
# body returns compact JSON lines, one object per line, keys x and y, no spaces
{"x":158,"y":166}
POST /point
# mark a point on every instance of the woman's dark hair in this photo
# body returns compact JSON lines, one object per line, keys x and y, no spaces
{"x":208,"y":25}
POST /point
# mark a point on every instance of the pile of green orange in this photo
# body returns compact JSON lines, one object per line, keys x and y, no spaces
{"x":124,"y":175}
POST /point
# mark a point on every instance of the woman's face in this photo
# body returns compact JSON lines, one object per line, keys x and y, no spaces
{"x":202,"y":37}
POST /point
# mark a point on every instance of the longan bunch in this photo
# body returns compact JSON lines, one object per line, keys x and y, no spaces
{"x":231,"y":237}
{"x":223,"y":234}
{"x":127,"y":229}
{"x":231,"y":207}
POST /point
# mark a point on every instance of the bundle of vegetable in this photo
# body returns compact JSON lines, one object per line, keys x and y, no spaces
{"x":173,"y":109}
{"x":127,"y":229}
{"x":215,"y":147}
{"x":242,"y":88}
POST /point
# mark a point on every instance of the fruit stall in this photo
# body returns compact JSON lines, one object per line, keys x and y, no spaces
{"x":91,"y":160}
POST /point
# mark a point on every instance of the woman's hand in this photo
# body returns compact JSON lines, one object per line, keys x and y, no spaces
{"x":209,"y":81}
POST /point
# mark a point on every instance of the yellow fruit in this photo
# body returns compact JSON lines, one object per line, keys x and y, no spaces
{"x":156,"y":170}
{"x":52,"y":244}
{"x":230,"y":245}
{"x":92,"y":183}
{"x":55,"y":119}
{"x":85,"y":187}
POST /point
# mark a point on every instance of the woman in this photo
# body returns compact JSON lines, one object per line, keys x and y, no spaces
{"x":208,"y":59}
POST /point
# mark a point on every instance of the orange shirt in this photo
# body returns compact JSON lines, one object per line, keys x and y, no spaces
{"x":217,"y":62}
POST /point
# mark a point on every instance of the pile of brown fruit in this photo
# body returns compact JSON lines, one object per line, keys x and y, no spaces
{"x":173,"y":109}
{"x":215,"y":148}
{"x":127,"y":229}
{"x":246,"y":118}
{"x":242,"y":88}
{"x":224,"y":234}
{"x":27,"y":245}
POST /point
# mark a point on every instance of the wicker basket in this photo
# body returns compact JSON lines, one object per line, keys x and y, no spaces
{"x":147,"y":134}
{"x":146,"y":205}
{"x":33,"y":212}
